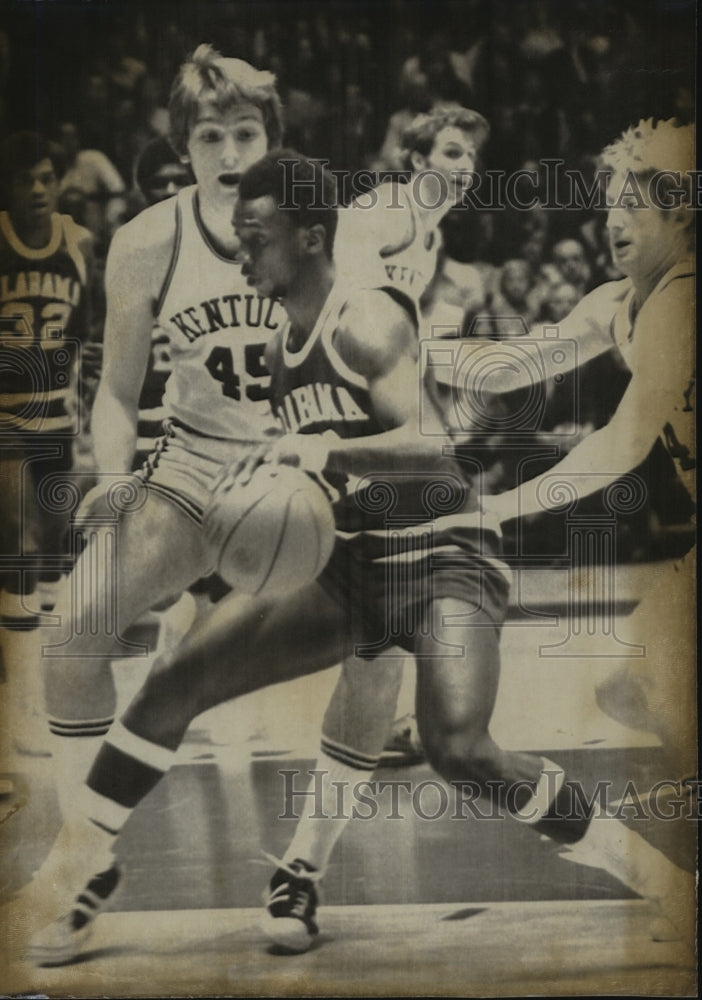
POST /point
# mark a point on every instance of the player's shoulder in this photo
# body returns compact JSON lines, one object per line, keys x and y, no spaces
{"x":672,"y":301}
{"x":374,"y":329}
{"x":678,"y":281}
{"x":388,"y":193}
{"x":77,"y":234}
{"x":611,"y":293}
{"x":148,"y":235}
{"x":387,"y":205}
{"x":372,"y":309}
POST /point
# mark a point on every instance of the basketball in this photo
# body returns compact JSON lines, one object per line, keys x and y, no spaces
{"x":273,"y":535}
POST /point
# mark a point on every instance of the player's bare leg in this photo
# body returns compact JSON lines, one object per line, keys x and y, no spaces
{"x":456,"y":694}
{"x":247,"y":644}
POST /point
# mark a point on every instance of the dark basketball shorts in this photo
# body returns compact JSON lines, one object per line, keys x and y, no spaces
{"x":387,"y":580}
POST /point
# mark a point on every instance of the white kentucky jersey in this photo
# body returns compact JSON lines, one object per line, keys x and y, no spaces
{"x":381,"y":242}
{"x":659,"y":341}
{"x":218,"y":328}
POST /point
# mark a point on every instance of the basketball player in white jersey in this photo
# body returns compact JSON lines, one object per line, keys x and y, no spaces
{"x":651,"y":318}
{"x":174,"y":264}
{"x":388,"y":238}
{"x":345,"y":385}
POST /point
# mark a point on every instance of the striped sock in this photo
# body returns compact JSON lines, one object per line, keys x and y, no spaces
{"x":328,"y":810}
{"x":126,"y":768}
{"x":74,"y":744}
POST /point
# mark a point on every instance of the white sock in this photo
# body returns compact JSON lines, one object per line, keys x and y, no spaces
{"x":315,"y":837}
{"x":72,"y":759}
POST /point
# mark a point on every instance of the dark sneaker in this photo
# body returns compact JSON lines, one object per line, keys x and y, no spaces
{"x":61,"y":941}
{"x":291,"y":905}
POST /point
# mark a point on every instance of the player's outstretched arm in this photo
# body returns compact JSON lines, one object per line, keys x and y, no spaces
{"x":136,"y":266}
{"x":587,"y":326}
{"x":660,"y":372}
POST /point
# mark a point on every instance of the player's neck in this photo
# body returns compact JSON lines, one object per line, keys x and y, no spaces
{"x":306,"y":300}
{"x":217,"y":223}
{"x":645,"y":282}
{"x":431,"y":217}
{"x":33,"y":233}
{"x":429,"y":214}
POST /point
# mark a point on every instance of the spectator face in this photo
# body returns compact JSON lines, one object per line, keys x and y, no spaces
{"x":532,"y":250}
{"x":643,"y":239}
{"x":34,"y":194}
{"x":561,"y":300}
{"x":167,"y":181}
{"x":69,"y":141}
{"x":451,"y":162}
{"x":569,"y":258}
{"x":515,"y":280}
{"x":222,"y":145}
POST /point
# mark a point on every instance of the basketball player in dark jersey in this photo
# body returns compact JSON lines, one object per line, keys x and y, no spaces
{"x":347,"y":387}
{"x":389,"y":237}
{"x":45,"y":273}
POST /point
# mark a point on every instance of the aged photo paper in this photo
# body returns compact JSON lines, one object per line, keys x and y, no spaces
{"x":347,"y":498}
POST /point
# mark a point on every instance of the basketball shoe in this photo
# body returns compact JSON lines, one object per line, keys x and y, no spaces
{"x":61,"y":941}
{"x":612,"y":846}
{"x":291,"y":905}
{"x":73,"y":885}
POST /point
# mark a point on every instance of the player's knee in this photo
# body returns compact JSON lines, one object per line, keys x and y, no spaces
{"x":462,"y":756}
{"x":77,"y":689}
{"x":165,"y":705}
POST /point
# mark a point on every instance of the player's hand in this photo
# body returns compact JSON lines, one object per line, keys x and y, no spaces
{"x":240,"y":471}
{"x":305,"y":451}
{"x":495,"y":511}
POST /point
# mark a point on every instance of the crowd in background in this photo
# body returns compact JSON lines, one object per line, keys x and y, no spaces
{"x":555,"y":80}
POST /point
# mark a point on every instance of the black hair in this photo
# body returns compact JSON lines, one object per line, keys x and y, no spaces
{"x":22,"y":151}
{"x":156,"y":154}
{"x":299,"y":186}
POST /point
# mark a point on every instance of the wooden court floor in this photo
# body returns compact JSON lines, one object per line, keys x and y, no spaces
{"x":426,"y":905}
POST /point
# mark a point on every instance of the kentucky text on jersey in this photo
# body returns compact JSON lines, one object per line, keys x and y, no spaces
{"x":219,"y":383}
{"x":224,"y":312}
{"x":318,"y":403}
